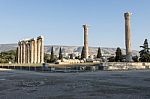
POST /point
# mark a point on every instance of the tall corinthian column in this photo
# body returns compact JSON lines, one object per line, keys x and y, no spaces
{"x":42,"y":50}
{"x":128,"y":37}
{"x":32,"y":50}
{"x":24,"y":52}
{"x":18,"y":52}
{"x":38,"y":50}
{"x":21,"y":52}
{"x":35,"y":51}
{"x":85,"y":27}
{"x":28,"y":52}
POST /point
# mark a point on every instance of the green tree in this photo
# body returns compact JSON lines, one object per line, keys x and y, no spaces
{"x":60,"y":54}
{"x":111,"y":59}
{"x":99,"y":54}
{"x":8,"y":56}
{"x":135,"y":58}
{"x":71,"y":56}
{"x":46,"y":58}
{"x":144,"y":53}
{"x":52,"y":55}
{"x":82,"y":53}
{"x":145,"y":46}
{"x":118,"y":57}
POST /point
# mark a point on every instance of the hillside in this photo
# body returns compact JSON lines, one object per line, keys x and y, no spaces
{"x":68,"y":49}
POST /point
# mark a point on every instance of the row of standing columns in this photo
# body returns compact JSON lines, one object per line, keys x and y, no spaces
{"x":127,"y":16}
{"x":31,"y":51}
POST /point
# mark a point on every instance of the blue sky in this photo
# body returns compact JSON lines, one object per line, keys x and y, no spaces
{"x":60,"y":21}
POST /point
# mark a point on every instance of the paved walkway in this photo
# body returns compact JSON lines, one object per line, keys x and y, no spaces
{"x":17,"y":84}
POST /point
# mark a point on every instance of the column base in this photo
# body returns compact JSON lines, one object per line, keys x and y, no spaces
{"x":129,"y":58}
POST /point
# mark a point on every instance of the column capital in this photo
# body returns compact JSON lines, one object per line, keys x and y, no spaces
{"x":127,"y":15}
{"x":40,"y":37}
{"x":85,"y":26}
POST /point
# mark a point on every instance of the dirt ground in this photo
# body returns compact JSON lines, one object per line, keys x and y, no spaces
{"x":133,"y":84}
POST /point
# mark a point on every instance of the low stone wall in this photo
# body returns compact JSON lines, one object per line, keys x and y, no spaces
{"x":125,"y":65}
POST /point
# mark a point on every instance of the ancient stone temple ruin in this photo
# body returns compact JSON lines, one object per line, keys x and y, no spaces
{"x":31,"y":50}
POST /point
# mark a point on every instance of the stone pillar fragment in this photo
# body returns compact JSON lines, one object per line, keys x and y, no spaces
{"x":128,"y":36}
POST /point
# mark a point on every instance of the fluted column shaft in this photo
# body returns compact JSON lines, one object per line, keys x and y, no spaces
{"x":35,"y":51}
{"x":85,"y":27}
{"x":18,"y":53}
{"x":38,"y":50}
{"x":24,"y":52}
{"x":28,"y":53}
{"x":32,"y":50}
{"x":42,"y":50}
{"x":128,"y":37}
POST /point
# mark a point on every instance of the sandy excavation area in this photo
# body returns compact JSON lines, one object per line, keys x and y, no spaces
{"x":16,"y":84}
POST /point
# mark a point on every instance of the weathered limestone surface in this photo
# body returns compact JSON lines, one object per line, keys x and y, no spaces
{"x":31,"y":50}
{"x":125,"y":65}
{"x":85,"y":27}
{"x":128,"y":36}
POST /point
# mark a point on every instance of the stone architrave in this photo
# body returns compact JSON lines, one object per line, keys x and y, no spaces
{"x":127,"y":16}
